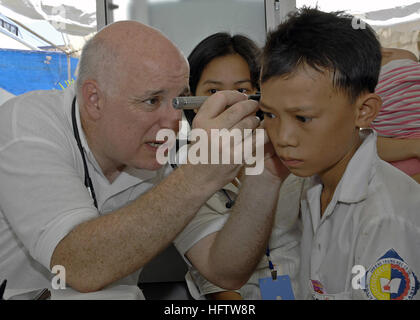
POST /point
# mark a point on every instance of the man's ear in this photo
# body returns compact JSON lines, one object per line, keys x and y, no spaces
{"x":92,"y":98}
{"x":368,"y":106}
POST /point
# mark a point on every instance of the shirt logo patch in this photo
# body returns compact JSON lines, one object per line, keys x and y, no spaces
{"x":317,"y":286}
{"x":390,"y":278}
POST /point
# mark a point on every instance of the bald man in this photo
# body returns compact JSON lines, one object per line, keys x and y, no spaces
{"x":80,"y":185}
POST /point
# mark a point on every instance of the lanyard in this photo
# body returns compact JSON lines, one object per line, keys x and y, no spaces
{"x":230,"y":202}
{"x":270,"y":264}
{"x":88,"y":181}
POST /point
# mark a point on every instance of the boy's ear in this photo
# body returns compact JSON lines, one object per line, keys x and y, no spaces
{"x":92,"y":98}
{"x":368,"y":106}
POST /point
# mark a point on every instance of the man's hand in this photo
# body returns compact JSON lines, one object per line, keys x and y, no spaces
{"x":214,"y":114}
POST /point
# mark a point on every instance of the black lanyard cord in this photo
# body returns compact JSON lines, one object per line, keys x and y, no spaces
{"x":88,"y":181}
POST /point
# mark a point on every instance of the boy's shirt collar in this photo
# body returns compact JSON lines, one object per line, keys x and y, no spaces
{"x":353,"y":186}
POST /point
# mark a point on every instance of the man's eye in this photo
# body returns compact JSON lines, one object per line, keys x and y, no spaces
{"x":303,"y":119}
{"x":268,"y":115}
{"x":152,"y":101}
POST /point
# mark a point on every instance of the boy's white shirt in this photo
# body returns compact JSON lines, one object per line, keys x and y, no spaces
{"x":374,"y":211}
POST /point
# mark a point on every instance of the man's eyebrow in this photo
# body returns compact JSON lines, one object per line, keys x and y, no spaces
{"x":146,"y":95}
{"x":153,"y":93}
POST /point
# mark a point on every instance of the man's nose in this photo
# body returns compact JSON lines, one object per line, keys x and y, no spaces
{"x":170,"y":116}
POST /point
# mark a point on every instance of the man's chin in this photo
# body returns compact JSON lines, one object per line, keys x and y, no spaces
{"x":150,"y":165}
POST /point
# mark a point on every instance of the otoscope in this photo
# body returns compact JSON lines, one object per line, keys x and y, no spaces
{"x":187,"y":103}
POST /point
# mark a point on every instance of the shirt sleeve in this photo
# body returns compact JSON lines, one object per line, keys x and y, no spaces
{"x":41,"y":194}
{"x":211,"y":217}
{"x":387,"y":248}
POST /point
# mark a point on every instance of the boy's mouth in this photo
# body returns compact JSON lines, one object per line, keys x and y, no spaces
{"x":290,"y":162}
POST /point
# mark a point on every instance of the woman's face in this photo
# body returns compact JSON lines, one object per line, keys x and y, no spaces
{"x":229,"y":72}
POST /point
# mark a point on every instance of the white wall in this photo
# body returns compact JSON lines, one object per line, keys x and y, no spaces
{"x":187,"y":22}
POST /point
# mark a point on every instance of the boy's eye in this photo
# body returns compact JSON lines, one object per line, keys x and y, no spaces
{"x":268,"y":115}
{"x":303,"y":119}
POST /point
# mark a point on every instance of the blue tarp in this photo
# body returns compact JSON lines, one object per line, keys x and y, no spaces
{"x":22,"y":70}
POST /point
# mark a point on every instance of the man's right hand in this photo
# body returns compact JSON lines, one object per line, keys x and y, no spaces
{"x":214,"y":114}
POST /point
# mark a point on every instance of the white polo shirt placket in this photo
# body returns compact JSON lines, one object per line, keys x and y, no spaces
{"x":327,"y":245}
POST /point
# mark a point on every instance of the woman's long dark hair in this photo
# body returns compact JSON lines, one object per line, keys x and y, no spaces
{"x":218,"y":45}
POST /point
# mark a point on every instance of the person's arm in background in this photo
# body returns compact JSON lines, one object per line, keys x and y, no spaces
{"x":389,"y":54}
{"x":394,"y":149}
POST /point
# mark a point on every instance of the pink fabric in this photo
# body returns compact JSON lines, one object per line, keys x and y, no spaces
{"x":399,"y":88}
{"x":409,"y":166}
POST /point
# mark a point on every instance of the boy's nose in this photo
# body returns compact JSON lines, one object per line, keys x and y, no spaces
{"x":286,"y":136}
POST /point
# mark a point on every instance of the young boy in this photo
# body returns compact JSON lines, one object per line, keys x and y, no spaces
{"x":360,"y":215}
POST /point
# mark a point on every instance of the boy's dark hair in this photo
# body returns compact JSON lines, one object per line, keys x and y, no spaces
{"x":325,"y":42}
{"x":219,"y":45}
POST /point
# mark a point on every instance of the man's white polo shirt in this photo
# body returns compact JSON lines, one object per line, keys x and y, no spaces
{"x":42,"y":191}
{"x":367,"y":243}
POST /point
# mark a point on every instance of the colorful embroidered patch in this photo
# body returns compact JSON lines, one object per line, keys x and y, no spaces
{"x":317,"y":286}
{"x":390,"y":278}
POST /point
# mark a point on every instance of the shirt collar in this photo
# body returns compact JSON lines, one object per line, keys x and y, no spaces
{"x":353,"y":186}
{"x":90,"y":156}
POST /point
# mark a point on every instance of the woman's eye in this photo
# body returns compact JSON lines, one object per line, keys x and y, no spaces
{"x":212,"y":91}
{"x":303,"y":119}
{"x":268,"y":115}
{"x":243,"y":90}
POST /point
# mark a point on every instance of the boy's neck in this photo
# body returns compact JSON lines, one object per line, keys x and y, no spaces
{"x":333,"y":175}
